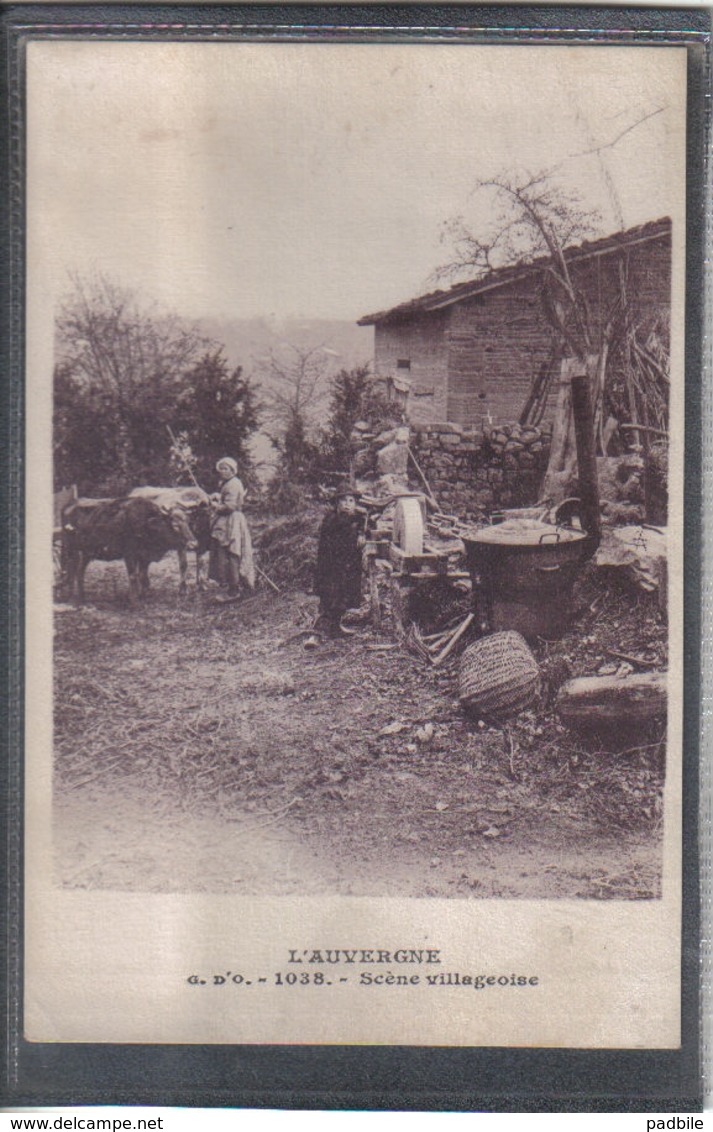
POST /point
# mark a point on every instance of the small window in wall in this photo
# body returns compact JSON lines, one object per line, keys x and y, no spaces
{"x":403,"y":363}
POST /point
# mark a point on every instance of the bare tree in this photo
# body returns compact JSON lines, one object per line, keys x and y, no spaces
{"x":528,"y":215}
{"x":295,"y":383}
{"x":111,"y":341}
{"x":531,"y":217}
{"x":120,"y":368}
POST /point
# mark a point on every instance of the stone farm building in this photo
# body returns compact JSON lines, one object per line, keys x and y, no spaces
{"x":471,"y":354}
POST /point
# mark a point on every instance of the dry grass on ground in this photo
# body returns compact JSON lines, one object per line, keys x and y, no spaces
{"x":192,"y":730}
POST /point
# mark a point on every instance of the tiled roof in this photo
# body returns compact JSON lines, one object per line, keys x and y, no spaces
{"x":435,"y":300}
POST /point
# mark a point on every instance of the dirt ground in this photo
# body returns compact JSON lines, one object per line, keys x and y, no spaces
{"x":201,"y":748}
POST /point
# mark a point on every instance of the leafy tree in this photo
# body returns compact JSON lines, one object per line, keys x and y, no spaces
{"x":83,"y":435}
{"x":353,"y":397}
{"x":218,"y":411}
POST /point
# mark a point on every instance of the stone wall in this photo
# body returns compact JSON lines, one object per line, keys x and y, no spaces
{"x":473,"y":472}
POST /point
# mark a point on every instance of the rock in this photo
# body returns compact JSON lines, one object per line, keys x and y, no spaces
{"x":620,"y":481}
{"x":639,"y":551}
{"x":392,"y":484}
{"x":392,"y":460}
{"x":616,"y":514}
{"x":385,"y":438}
{"x":393,"y":728}
{"x":363,"y":462}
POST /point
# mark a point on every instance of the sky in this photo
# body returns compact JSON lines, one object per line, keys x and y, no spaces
{"x":313,"y":180}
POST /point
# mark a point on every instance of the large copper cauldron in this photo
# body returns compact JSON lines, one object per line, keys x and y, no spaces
{"x":523,"y":575}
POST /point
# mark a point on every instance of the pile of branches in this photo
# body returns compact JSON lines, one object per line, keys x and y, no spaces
{"x":287,"y":548}
{"x":645,"y":363}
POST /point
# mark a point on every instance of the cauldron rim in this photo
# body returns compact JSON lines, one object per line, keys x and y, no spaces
{"x":547,"y":537}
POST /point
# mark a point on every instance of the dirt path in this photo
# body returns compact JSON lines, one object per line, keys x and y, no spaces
{"x":205,"y":749}
{"x":130,"y":844}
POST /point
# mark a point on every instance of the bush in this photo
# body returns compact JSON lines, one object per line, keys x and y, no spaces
{"x":283,"y":496}
{"x":354,"y":397}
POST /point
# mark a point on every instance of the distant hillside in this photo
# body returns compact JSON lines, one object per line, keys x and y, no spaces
{"x":246,"y":340}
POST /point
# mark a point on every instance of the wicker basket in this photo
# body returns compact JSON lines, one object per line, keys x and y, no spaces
{"x":499,"y":676}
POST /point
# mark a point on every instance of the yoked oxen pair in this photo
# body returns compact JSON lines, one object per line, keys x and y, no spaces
{"x":135,"y":529}
{"x":195,"y":505}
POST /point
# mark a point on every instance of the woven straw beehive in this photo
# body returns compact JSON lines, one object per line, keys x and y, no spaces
{"x":499,"y":676}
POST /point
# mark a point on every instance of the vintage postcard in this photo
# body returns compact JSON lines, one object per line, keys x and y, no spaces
{"x":355,"y":458}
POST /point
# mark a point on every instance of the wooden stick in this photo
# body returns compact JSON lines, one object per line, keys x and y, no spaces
{"x":649,"y":360}
{"x":185,"y":463}
{"x":637,"y":661}
{"x":631,"y":395}
{"x":438,"y":643}
{"x":413,"y":640}
{"x":424,"y":481}
{"x":562,"y":424}
{"x":268,"y":580}
{"x":438,"y":636}
{"x":373,"y":583}
{"x":643,"y":428}
{"x":456,"y":636}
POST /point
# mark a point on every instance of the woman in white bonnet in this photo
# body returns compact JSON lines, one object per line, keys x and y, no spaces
{"x":231,"y":551}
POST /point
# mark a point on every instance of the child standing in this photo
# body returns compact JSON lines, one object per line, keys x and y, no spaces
{"x":339,"y":562}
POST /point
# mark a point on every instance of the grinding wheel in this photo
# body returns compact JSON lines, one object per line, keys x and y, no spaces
{"x":408,"y":525}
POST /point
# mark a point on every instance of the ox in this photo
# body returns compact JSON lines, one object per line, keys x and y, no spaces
{"x":137,"y":530}
{"x":195,"y":505}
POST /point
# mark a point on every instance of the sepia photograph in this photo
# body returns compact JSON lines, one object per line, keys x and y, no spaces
{"x":355,"y":505}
